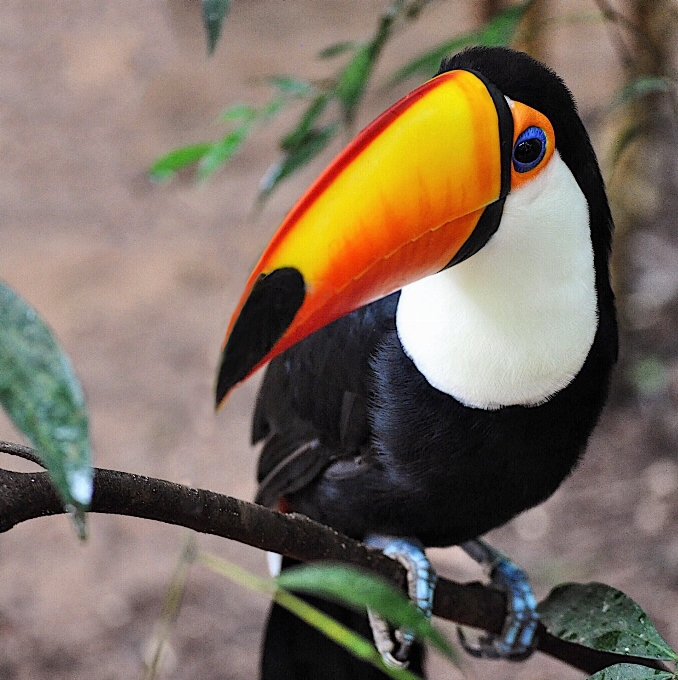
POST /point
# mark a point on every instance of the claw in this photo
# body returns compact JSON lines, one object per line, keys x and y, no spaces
{"x":517,"y":637}
{"x":421,"y":581}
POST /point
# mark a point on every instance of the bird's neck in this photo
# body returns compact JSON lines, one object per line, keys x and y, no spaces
{"x":514,"y":323}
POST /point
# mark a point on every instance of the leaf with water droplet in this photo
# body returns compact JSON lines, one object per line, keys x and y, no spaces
{"x":42,"y":395}
{"x":631,"y":671}
{"x":601,"y":617}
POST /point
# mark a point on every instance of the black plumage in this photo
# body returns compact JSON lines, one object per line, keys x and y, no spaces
{"x":382,"y":449}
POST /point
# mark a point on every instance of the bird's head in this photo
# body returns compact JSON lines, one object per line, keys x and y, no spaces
{"x":420,"y":189}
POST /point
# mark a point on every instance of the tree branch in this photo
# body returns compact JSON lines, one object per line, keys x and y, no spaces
{"x":25,"y":496}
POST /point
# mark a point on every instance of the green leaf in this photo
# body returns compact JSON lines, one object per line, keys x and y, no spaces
{"x":639,"y":88}
{"x":650,"y":375}
{"x":360,"y":589}
{"x":304,"y":127}
{"x":313,"y":143}
{"x":631,"y":671}
{"x":353,"y":79}
{"x":337,"y":49}
{"x":291,"y":86}
{"x":222,"y":151}
{"x":625,"y":138}
{"x":168,"y":165}
{"x":347,"y":638}
{"x":428,"y":63}
{"x":239,"y":112}
{"x":273,"y":108}
{"x":498,"y":31}
{"x":213,"y":14}
{"x":356,"y":644}
{"x":600,"y":617}
{"x":212,"y":155}
{"x":42,"y":395}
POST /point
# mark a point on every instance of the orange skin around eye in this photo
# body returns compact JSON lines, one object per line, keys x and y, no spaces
{"x":524,"y":117}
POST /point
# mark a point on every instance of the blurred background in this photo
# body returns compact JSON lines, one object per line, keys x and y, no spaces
{"x":138,"y":281}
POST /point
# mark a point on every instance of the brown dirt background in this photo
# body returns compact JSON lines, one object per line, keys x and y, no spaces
{"x":139,"y":280}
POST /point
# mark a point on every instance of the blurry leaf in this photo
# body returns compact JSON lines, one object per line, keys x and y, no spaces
{"x":213,"y":14}
{"x":213,"y":155}
{"x":359,"y":590}
{"x":295,"y":138}
{"x":631,"y":671}
{"x":337,"y":49}
{"x":273,"y":108}
{"x":600,"y":617}
{"x":235,"y":112}
{"x":649,"y":375}
{"x":639,"y":88}
{"x":498,"y":31}
{"x":42,"y":395}
{"x":294,"y":159}
{"x":347,"y":638}
{"x":289,"y":89}
{"x":428,"y":63}
{"x":352,"y":80}
{"x":222,"y":151}
{"x":168,"y":165}
{"x":292,"y":87}
{"x":624,"y":139}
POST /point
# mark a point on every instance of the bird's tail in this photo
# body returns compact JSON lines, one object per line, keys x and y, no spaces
{"x":293,"y":650}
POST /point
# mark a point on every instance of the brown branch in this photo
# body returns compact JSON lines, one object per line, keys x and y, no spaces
{"x":25,"y":496}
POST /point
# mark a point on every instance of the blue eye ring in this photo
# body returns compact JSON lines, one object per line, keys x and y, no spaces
{"x":529,"y":149}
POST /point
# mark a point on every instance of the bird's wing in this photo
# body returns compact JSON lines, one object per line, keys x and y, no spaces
{"x":312,"y":406}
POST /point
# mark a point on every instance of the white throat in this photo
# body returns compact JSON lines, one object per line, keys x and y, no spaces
{"x":514,"y":323}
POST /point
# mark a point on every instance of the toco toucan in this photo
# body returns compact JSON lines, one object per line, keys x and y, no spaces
{"x":438,"y":317}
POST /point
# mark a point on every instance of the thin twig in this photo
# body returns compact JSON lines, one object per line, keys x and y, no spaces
{"x":171,"y":606}
{"x":21,"y":452}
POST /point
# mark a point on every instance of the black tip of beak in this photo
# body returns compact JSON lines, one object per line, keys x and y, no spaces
{"x":266,"y":315}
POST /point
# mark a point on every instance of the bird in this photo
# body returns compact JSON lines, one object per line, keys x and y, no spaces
{"x":438,"y":322}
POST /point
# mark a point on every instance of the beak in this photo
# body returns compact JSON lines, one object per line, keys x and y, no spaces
{"x":421,"y":188}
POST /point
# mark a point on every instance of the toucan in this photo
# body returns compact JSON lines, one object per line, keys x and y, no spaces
{"x":438,"y":322}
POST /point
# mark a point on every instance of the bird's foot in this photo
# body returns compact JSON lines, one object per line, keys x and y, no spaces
{"x":516,"y":640}
{"x":421,"y":580}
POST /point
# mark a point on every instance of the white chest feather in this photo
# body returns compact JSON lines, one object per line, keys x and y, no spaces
{"x":514,"y":323}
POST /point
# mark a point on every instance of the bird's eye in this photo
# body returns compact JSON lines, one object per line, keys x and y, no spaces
{"x":529,"y":149}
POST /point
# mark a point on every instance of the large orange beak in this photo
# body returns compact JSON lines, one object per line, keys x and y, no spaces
{"x":420,"y":188}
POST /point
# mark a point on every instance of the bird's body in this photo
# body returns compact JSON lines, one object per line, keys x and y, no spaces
{"x":400,"y":457}
{"x":443,"y":410}
{"x":373,"y":444}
